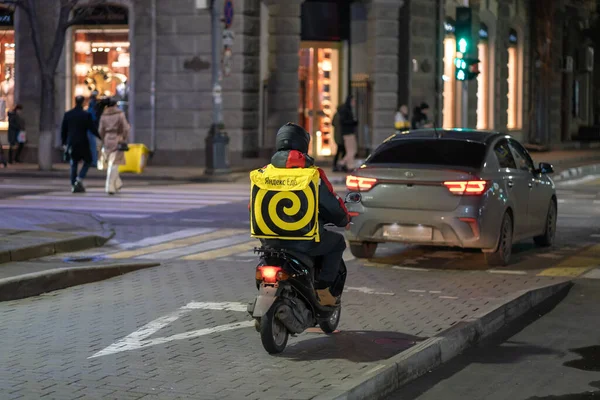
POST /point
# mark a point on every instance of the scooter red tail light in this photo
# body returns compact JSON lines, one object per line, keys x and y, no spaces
{"x":270,"y":274}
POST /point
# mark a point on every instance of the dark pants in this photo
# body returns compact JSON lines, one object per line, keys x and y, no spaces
{"x":17,"y":157}
{"x":331,"y":248}
{"x":93,"y":148}
{"x":82,"y":173}
{"x":341,"y":153}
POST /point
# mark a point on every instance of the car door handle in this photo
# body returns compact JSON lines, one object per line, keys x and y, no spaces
{"x":510,"y":184}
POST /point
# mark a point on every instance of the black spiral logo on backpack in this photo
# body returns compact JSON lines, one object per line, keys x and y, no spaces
{"x":285,"y":213}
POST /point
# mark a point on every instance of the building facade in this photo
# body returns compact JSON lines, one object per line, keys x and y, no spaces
{"x":294,"y":60}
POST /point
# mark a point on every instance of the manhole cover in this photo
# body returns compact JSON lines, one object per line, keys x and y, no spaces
{"x":83,"y":259}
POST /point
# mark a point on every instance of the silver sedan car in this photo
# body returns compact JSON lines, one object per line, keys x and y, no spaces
{"x":457,"y":187}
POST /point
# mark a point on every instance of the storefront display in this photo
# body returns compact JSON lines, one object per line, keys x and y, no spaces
{"x":101,"y":63}
{"x":7,"y":85}
{"x":319,"y":95}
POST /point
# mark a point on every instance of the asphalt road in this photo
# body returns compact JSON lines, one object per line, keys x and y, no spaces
{"x":552,"y":354}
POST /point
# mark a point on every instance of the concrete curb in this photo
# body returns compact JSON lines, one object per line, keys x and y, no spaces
{"x":34,"y":284}
{"x":576,"y":172}
{"x":425,"y":356}
{"x":80,"y":243}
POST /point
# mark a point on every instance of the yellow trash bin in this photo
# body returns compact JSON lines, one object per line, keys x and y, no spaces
{"x":135,"y":158}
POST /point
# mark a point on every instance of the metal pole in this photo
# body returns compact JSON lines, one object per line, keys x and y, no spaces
{"x":217,"y":33}
{"x":216,"y":142}
{"x":153,"y":76}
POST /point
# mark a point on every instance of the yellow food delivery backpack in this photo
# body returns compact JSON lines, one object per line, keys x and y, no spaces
{"x":284,"y":203}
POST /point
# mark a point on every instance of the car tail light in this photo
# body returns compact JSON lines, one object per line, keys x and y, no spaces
{"x":270,"y":274}
{"x":473,"y":224}
{"x":466,"y":188}
{"x":360,"y":183}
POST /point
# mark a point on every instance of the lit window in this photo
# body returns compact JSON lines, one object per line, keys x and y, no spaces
{"x":483,"y":79}
{"x":449,"y":94}
{"x":513,"y":82}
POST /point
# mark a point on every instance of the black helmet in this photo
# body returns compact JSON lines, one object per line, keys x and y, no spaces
{"x":292,"y":137}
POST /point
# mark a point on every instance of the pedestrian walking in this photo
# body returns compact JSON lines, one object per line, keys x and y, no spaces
{"x":75,"y":126}
{"x":92,"y":105}
{"x":16,"y":134}
{"x":401,"y":121}
{"x":114,"y":131}
{"x":339,"y":141}
{"x":348,"y":125}
{"x":2,"y":159}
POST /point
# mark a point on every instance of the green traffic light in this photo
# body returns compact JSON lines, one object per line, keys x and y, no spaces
{"x":462,"y":45}
{"x":460,"y":75}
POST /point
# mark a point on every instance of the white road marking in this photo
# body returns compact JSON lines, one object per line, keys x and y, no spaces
{"x":140,"y":338}
{"x":409,"y":268}
{"x":448,"y":297}
{"x":227,"y":306}
{"x":367,"y":290}
{"x":435,"y":291}
{"x":506,"y":271}
{"x":595,"y":235}
{"x":150,"y":241}
{"x":417,"y":291}
{"x":198,"y":248}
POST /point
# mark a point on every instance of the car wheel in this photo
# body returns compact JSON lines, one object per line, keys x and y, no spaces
{"x":547,"y":239}
{"x":501,"y":256}
{"x":363,"y":249}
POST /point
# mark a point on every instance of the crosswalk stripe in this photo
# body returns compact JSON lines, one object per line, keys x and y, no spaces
{"x":174,"y":244}
{"x":176,"y":253}
{"x":133,"y":208}
{"x":149,"y":241}
{"x":222,"y":252}
{"x":137,"y":198}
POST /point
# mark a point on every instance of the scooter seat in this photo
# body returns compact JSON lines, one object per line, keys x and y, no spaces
{"x":307,"y":260}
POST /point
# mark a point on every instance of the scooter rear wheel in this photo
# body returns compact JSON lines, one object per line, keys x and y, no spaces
{"x":330,"y":325}
{"x":273,"y":334}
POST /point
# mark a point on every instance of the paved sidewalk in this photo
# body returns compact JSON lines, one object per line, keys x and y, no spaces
{"x":28,"y":234}
{"x":193,"y":338}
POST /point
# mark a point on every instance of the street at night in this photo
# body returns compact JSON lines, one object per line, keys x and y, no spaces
{"x":180,"y":329}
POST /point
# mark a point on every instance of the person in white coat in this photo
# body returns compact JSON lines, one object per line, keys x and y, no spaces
{"x":114,"y":131}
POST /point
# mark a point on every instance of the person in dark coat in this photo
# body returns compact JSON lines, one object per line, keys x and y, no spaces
{"x":92,"y":105}
{"x":75,"y":126}
{"x":348,"y":127}
{"x":16,"y":124}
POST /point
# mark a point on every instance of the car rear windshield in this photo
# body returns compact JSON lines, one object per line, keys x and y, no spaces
{"x":441,"y":152}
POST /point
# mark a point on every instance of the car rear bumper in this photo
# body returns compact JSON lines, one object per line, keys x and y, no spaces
{"x":461,"y":227}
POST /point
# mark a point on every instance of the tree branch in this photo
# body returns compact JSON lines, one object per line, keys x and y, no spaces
{"x":60,"y":34}
{"x":35,"y":33}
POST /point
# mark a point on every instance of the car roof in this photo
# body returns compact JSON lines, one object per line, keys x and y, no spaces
{"x":471,"y":135}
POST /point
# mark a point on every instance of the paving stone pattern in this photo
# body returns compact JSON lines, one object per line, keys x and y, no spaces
{"x":46,"y":340}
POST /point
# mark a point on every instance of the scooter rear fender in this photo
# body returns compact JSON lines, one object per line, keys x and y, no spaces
{"x":265,"y":299}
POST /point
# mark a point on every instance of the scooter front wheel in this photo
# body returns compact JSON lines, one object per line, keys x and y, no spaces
{"x":273,"y":334}
{"x":331,"y":324}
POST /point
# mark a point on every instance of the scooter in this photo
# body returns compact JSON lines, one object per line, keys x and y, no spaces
{"x":287,"y":302}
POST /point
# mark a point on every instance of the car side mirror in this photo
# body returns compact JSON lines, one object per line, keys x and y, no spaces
{"x":545,"y":168}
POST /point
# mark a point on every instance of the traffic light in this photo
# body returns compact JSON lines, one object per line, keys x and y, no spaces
{"x":463,"y":30}
{"x":466,"y":68}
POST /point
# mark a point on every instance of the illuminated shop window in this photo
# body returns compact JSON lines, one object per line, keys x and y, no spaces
{"x":7,"y":66}
{"x":483,"y":79}
{"x":319,"y":75}
{"x":450,"y":92}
